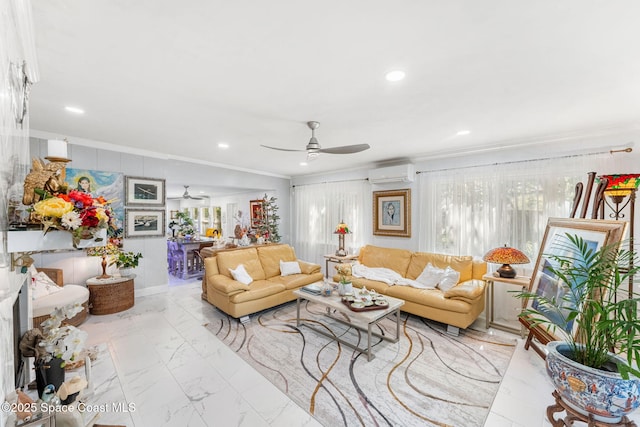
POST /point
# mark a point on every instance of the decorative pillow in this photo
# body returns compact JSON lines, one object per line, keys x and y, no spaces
{"x":430,"y":276}
{"x":42,"y":285}
{"x":241,"y":275}
{"x":450,"y":278}
{"x":287,"y":268}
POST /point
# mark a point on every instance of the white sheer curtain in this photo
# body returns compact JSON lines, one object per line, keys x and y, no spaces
{"x":471,"y":210}
{"x":318,"y":208}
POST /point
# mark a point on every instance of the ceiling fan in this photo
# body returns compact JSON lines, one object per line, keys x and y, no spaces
{"x":313,"y":148}
{"x":186,"y":195}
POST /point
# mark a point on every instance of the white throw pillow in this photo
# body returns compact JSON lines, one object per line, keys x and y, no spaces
{"x":430,"y":276}
{"x":449,"y":279}
{"x":287,"y":268}
{"x":240,"y":274}
{"x":42,"y":285}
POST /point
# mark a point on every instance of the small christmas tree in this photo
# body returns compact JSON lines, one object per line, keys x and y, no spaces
{"x":268,"y":227}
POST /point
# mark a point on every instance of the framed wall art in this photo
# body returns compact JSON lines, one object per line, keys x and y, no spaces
{"x":257,"y":214}
{"x":596,"y":234}
{"x":141,"y":191}
{"x":392,"y":213}
{"x":144,"y":223}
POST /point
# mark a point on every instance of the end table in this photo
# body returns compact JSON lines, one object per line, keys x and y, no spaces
{"x":489,"y":278}
{"x":112,"y":295}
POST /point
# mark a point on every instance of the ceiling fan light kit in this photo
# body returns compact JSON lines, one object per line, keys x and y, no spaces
{"x":314,"y":149}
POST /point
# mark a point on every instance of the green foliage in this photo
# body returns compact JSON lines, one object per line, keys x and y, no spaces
{"x":183,"y":224}
{"x":126,"y":259}
{"x":606,"y":321}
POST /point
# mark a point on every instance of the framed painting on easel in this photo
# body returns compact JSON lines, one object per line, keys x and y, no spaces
{"x":544,"y":283}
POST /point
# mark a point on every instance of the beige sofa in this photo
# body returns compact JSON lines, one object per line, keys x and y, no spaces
{"x":458,"y":307}
{"x":268,"y":288}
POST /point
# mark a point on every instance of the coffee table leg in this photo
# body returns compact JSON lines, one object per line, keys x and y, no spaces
{"x":298,"y":312}
{"x":397,"y":325}
{"x":369,"y":343}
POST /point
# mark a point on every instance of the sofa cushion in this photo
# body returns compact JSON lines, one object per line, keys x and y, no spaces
{"x":430,"y":276}
{"x":394,"y":259}
{"x":466,"y":291}
{"x":419,"y":260}
{"x":247,"y":257}
{"x":296,"y":281}
{"x":241,"y":275}
{"x":69,"y":294}
{"x":42,"y":285}
{"x":271,"y":255}
{"x":259,"y":289}
{"x":287,"y":268}
{"x":429,"y":298}
{"x":449,"y":279}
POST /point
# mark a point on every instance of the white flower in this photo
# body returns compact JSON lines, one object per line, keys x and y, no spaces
{"x":64,"y":342}
{"x":71,"y":220}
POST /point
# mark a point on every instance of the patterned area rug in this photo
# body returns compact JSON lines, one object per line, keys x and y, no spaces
{"x":428,"y":378}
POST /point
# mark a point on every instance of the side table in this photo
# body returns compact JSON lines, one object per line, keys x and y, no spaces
{"x":336,"y":259}
{"x":489,"y":278}
{"x":112,"y":295}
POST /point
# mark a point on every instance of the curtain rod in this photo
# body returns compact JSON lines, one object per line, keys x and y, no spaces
{"x":568,"y":156}
{"x":331,"y":182}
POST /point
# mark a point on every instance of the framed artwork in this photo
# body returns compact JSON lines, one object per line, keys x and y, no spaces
{"x":144,"y":223}
{"x":392,"y":213}
{"x":142,"y":191}
{"x":174,"y":214}
{"x":257,"y":215}
{"x":596,"y":233}
{"x":109,"y":185}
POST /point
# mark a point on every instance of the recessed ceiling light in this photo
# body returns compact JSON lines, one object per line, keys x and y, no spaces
{"x":463,"y":132}
{"x":303,"y":163}
{"x":74,"y":110}
{"x":223,"y":145}
{"x":394,"y":76}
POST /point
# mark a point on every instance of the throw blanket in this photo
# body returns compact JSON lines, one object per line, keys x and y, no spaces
{"x":384,"y":275}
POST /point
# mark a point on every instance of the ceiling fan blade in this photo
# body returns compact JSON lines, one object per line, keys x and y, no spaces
{"x":345,"y":149}
{"x":279,"y":149}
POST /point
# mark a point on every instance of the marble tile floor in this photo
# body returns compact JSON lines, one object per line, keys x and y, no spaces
{"x":179,"y":374}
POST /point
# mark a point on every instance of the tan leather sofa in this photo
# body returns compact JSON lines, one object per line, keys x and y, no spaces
{"x":268,"y":288}
{"x":457,"y":307}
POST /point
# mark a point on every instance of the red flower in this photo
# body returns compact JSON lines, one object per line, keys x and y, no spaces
{"x":89,"y":219}
{"x":64,"y":197}
{"x":79,"y":196}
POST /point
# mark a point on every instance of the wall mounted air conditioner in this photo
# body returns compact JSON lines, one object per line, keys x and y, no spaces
{"x":399,"y":173}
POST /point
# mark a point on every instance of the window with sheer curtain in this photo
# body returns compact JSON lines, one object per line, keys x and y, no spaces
{"x":472,"y":210}
{"x":319,"y":208}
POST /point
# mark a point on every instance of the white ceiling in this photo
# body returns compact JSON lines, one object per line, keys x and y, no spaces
{"x":179,"y":77}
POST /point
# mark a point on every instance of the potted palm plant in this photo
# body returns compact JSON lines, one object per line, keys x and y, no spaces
{"x":126,"y":261}
{"x":595,"y":369}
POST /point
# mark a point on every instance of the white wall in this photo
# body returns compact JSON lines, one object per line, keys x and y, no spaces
{"x":152,"y":271}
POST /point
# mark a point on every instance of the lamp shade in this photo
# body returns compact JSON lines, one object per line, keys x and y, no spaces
{"x":621,"y":184}
{"x":342,"y":228}
{"x":505,"y":255}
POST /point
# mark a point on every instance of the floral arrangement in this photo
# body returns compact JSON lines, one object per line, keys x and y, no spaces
{"x":184,"y":224}
{"x":342,"y":228}
{"x":343,"y":270}
{"x":64,"y":342}
{"x":77,"y":212}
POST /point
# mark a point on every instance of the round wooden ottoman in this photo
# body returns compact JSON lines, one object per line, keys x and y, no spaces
{"x":112,"y":295}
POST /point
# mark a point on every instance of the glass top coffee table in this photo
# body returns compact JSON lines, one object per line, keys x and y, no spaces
{"x":363,"y":320}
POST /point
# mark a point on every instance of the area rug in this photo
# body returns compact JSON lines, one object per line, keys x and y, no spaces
{"x":428,"y":378}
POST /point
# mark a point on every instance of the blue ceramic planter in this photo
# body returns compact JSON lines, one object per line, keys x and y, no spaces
{"x":591,"y":391}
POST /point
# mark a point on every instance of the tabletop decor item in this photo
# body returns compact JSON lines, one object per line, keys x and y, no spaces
{"x":344,"y":286}
{"x":109,"y":250}
{"x":505,"y":255}
{"x":126,"y":261}
{"x":576,"y":298}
